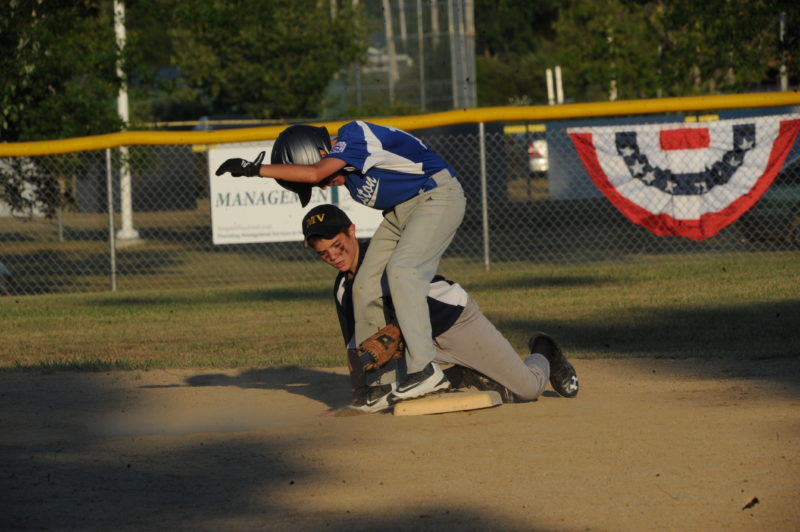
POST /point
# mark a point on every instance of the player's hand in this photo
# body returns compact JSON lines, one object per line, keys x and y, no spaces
{"x":241,"y":167}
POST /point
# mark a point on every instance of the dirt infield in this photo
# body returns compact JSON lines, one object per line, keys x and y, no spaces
{"x":647,"y":445}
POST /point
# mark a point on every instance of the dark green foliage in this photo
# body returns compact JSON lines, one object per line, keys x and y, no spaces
{"x":649,"y":48}
{"x":513,"y":26}
{"x":513,"y":49}
{"x":262,"y":59}
{"x":57,"y":80}
{"x":677,"y":48}
{"x":183,"y":59}
{"x":57,"y":70}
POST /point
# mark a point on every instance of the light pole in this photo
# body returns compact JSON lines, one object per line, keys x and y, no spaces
{"x":126,"y":232}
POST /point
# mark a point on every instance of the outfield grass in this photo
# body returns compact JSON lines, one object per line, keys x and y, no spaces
{"x":725,"y":305}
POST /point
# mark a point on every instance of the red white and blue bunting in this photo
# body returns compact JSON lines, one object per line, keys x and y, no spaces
{"x":682,"y":179}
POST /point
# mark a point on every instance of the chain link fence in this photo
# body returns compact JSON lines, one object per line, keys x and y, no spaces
{"x":523,"y":206}
{"x":421,"y":54}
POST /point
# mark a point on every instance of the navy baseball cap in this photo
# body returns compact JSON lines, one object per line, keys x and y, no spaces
{"x":326,"y":221}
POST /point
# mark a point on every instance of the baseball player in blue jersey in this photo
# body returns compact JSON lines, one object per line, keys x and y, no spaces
{"x":463,"y":336}
{"x":422,"y":203}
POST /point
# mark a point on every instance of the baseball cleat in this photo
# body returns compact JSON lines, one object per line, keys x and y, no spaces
{"x":462,"y":377}
{"x":562,"y":375}
{"x":430,"y":379}
{"x":457,"y":376}
{"x":374,"y":400}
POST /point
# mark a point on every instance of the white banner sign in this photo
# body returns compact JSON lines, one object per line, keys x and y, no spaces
{"x":248,"y":210}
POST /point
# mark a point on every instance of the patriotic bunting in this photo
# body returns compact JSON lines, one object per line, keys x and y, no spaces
{"x":689,"y":180}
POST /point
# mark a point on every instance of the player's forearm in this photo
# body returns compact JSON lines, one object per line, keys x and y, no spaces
{"x":301,"y":173}
{"x":297,"y":173}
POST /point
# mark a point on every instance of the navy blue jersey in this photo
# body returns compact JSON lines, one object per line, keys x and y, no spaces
{"x":391,"y":165}
{"x":446,"y":302}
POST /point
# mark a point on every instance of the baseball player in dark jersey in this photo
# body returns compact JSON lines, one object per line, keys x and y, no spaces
{"x":422,"y":203}
{"x":462,"y":335}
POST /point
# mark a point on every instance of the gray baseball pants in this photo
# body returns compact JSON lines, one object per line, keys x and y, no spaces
{"x":473,"y":341}
{"x":408,"y":246}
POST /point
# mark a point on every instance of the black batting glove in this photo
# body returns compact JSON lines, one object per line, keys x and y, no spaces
{"x":241,"y":167}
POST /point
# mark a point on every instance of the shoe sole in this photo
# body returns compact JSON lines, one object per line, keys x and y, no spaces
{"x":383,"y":404}
{"x":572,"y":380}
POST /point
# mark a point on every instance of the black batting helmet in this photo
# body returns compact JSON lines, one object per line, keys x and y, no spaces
{"x":300,"y":144}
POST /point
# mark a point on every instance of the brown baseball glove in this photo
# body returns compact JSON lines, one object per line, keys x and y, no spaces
{"x":382,"y":347}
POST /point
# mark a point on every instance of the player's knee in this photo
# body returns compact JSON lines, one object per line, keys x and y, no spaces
{"x":532,"y":392}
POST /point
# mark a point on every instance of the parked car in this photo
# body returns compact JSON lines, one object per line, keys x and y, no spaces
{"x":776,"y":216}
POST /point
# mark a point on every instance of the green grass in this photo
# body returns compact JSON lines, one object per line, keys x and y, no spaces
{"x":713,"y":305}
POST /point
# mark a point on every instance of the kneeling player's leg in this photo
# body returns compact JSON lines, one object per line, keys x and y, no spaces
{"x":476,"y":343}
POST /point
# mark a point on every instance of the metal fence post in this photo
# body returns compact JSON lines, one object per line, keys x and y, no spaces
{"x":112,"y":248}
{"x":484,"y":195}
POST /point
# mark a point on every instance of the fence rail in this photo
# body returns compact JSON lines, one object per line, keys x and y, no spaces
{"x":584,"y":200}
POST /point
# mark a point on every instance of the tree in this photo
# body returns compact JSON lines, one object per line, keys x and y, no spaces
{"x":720,"y":46}
{"x":513,"y":49}
{"x":265,"y":59}
{"x":57,"y":79}
{"x":57,"y":61}
{"x":607,"y":46}
{"x":670,"y":48}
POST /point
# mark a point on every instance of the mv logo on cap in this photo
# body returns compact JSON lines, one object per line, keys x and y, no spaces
{"x":325,"y":221}
{"x":315,"y":218}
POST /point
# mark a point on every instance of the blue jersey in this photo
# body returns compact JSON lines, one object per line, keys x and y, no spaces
{"x":391,"y":166}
